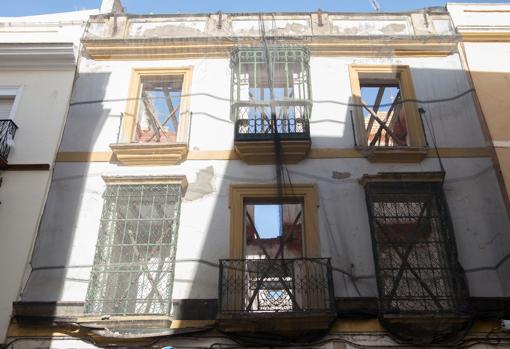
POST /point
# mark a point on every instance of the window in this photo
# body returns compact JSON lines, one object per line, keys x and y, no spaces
{"x":266,"y":83}
{"x":414,"y":246}
{"x":387,"y":117}
{"x":8,"y":104}
{"x":135,"y":255}
{"x":273,"y":248}
{"x":155,"y":125}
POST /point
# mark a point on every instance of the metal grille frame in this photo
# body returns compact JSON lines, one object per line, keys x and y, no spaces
{"x":134,"y":263}
{"x":258,"y":286}
{"x":414,"y":249}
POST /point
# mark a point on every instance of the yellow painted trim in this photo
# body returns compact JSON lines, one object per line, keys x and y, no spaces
{"x":216,"y":48}
{"x":75,"y":156}
{"x":129,"y":117}
{"x":148,"y":154}
{"x":403,"y":74}
{"x":212,"y":155}
{"x":486,"y":36}
{"x":315,"y":153}
{"x":191,"y":323}
{"x":240,"y":192}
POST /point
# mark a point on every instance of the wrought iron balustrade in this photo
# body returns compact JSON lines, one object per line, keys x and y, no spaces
{"x":256,"y":286}
{"x":255,"y":121}
{"x":7,"y":131}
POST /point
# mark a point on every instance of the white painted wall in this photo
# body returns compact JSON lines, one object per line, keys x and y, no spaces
{"x":43,"y":74}
{"x":66,"y":244}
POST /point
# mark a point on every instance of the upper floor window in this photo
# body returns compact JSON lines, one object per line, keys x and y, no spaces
{"x":155,"y":125}
{"x":386,"y":116}
{"x":156,"y":111}
{"x":271,"y":92}
{"x":135,"y":254}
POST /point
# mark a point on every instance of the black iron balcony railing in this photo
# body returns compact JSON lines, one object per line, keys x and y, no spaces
{"x":256,"y":286}
{"x":264,"y":129}
{"x":7,"y":130}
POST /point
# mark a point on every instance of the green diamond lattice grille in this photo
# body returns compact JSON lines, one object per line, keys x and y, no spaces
{"x":135,"y":255}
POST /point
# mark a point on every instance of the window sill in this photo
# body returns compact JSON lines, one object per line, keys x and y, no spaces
{"x":394,"y":154}
{"x":136,"y":154}
{"x":263,"y":152}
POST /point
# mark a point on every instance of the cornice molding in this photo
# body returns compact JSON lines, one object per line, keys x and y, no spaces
{"x":37,"y":56}
{"x":180,"y":48}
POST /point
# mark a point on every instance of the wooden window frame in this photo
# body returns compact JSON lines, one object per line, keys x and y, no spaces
{"x":130,"y":153}
{"x":307,"y":192}
{"x":417,"y":149}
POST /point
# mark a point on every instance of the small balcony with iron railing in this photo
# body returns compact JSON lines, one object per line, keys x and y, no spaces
{"x":7,"y":131}
{"x":271,"y":103}
{"x":275,"y":295}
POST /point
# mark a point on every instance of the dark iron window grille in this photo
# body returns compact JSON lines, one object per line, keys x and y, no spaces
{"x":257,"y":100}
{"x":414,"y":249}
{"x":7,"y":131}
{"x":298,"y":285}
{"x":134,"y":264}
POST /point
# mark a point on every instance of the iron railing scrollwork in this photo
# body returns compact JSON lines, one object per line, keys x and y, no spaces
{"x":7,"y":131}
{"x":300,"y":285}
{"x":264,"y":129}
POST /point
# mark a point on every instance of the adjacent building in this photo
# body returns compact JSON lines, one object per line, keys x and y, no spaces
{"x":485,"y":49}
{"x":38,"y":57}
{"x":308,"y":179}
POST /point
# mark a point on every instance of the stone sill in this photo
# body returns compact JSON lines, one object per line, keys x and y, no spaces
{"x":263,"y":152}
{"x":153,"y":154}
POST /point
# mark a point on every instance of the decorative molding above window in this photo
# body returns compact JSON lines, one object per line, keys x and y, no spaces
{"x":155,"y":126}
{"x":386,"y":120}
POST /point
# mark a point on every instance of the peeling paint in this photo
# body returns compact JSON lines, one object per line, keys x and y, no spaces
{"x":202,"y":186}
{"x":340,"y":175}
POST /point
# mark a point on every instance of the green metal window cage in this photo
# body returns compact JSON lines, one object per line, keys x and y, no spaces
{"x":134,"y":263}
{"x":273,"y":81}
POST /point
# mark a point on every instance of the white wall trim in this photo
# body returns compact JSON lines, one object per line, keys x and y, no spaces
{"x":14,"y":91}
{"x":37,"y":56}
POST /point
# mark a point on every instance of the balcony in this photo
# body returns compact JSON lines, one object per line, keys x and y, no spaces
{"x":276,"y":295}
{"x":7,"y":131}
{"x":256,"y":133}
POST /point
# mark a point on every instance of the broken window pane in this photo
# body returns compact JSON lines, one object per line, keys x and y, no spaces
{"x":159,"y":109}
{"x":384,"y":114}
{"x":135,"y":253}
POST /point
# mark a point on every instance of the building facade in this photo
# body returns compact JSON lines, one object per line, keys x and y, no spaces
{"x":37,"y":65}
{"x":307,"y":179}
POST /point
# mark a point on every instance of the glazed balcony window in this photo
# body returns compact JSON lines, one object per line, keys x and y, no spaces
{"x":270,"y":95}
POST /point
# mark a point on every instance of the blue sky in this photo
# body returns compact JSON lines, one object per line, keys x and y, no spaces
{"x":33,"y":7}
